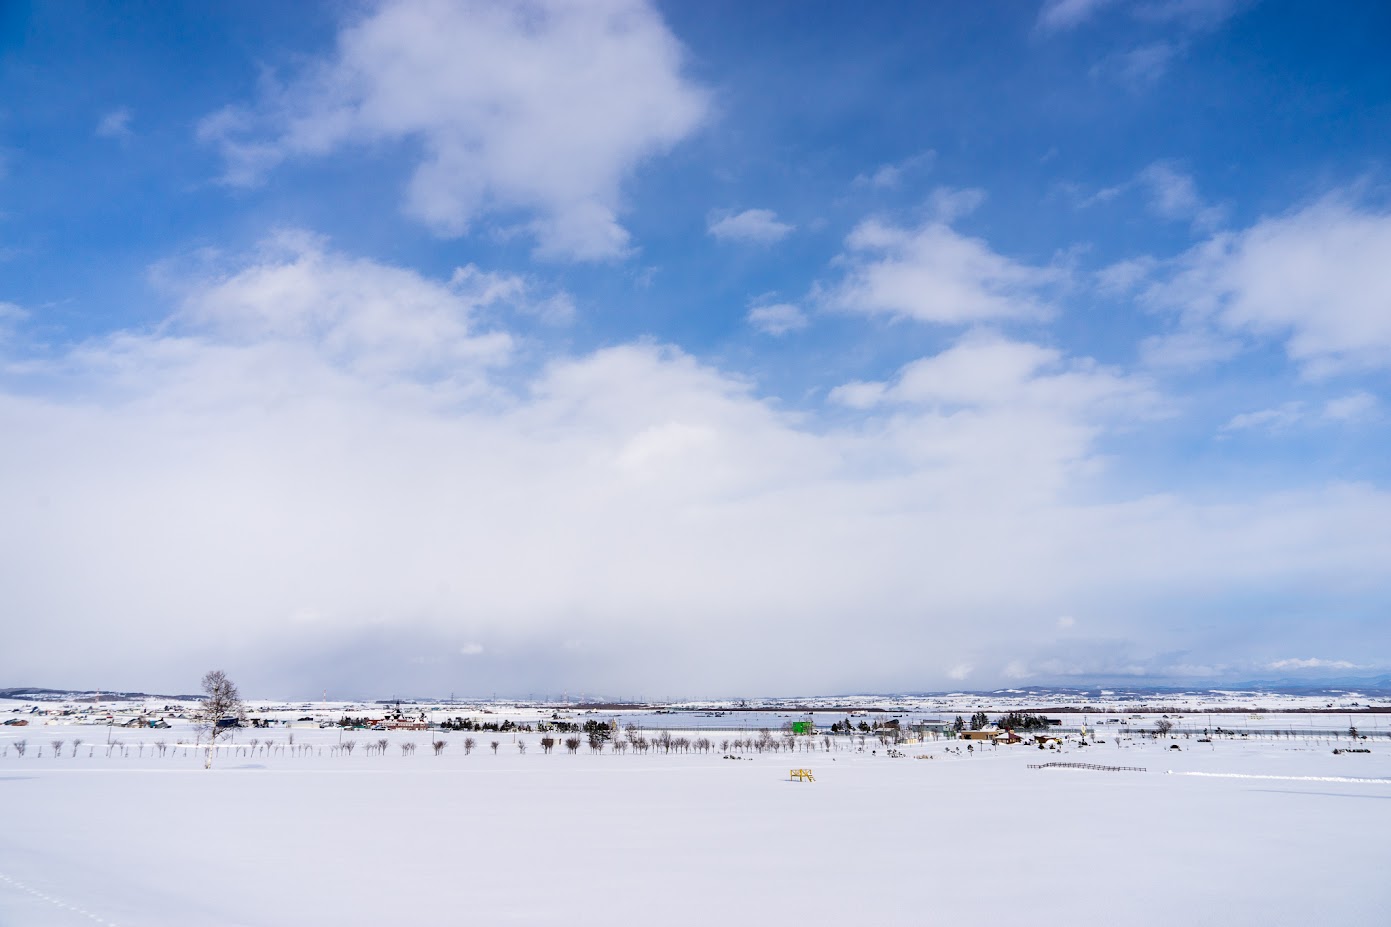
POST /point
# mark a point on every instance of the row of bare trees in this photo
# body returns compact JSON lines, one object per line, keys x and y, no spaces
{"x":21,"y":747}
{"x":664,"y":742}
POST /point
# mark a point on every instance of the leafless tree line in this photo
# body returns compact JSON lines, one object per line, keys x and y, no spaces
{"x":634,"y":739}
{"x":663,"y":742}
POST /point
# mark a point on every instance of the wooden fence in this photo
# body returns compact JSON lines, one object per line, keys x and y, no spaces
{"x":1088,"y":766}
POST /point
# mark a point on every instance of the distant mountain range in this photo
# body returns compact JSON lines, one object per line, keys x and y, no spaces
{"x":36,"y":694}
{"x":1378,"y":686}
{"x":1367,"y":685}
{"x":1360,"y":683}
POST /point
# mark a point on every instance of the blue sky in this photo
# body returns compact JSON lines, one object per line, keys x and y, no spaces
{"x":694,"y":348}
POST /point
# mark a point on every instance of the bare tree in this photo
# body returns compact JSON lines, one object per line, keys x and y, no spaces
{"x":521,"y":746}
{"x":495,"y":746}
{"x":20,"y":746}
{"x":77,"y":742}
{"x":469,"y":744}
{"x":57,"y":749}
{"x":382,"y":744}
{"x":572,"y":744}
{"x":547,"y":744}
{"x":407,"y":749}
{"x":439,"y":747}
{"x":220,"y":709}
{"x":1162,"y":727}
{"x":347,"y":746}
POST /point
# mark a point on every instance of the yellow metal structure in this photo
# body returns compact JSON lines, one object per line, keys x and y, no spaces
{"x":803,"y":775}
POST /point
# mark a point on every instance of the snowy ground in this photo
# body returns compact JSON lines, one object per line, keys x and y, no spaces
{"x":308,"y":835}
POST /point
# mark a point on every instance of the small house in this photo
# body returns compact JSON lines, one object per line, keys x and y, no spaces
{"x":985,"y":733}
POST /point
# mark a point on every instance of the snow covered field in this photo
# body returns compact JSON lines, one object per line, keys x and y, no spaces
{"x":312,"y":835}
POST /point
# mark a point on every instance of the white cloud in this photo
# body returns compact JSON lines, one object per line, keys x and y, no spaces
{"x":932,"y":273}
{"x":1187,"y":349}
{"x":1016,"y":670}
{"x":981,"y":369}
{"x":1140,"y":67}
{"x":11,"y":313}
{"x":1066,"y":623}
{"x":1351,"y":409}
{"x":999,"y":413}
{"x":471,"y":649}
{"x":1191,"y":15}
{"x":1060,"y":15}
{"x":1315,"y":278}
{"x":520,"y":294}
{"x":1104,"y":195}
{"x":890,"y":176}
{"x":1280,"y":418}
{"x":1177,"y":21}
{"x":543,"y":107}
{"x":315,"y":435}
{"x":1170,"y":194}
{"x":984,"y":369}
{"x":115,"y":124}
{"x":1174,"y":195}
{"x":947,"y":204}
{"x":777,"y":318}
{"x":752,"y":226}
{"x":1311,"y":663}
{"x":885,"y":177}
{"x":369,"y":318}
{"x":859,"y":394}
{"x":1125,"y":276}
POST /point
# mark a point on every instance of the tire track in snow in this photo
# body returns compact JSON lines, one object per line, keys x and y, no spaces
{"x":57,"y":902}
{"x":1213,"y":775}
